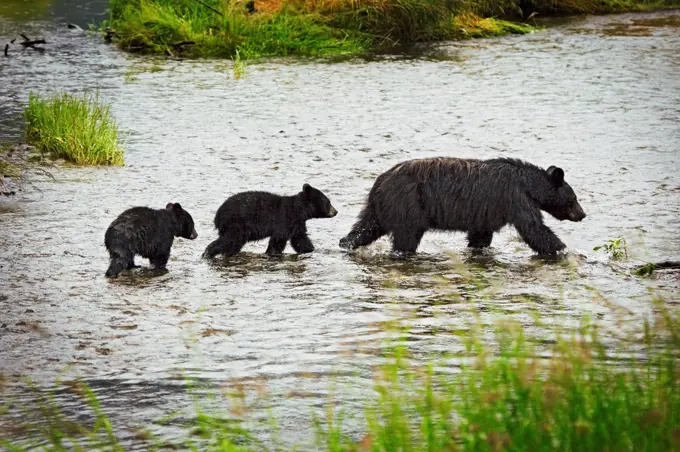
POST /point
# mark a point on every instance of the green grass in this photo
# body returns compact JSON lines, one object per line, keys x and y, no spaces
{"x":159,"y":26}
{"x":77,"y":129}
{"x":327,"y":27}
{"x":579,"y":395}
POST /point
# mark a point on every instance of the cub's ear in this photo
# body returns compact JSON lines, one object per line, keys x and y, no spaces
{"x":177,"y":207}
{"x":169,"y":206}
{"x":556,"y":175}
{"x":306,"y":188}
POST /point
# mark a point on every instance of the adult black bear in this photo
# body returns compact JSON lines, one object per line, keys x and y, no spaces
{"x":255,"y":215}
{"x":476,"y":196}
{"x":148,"y":233}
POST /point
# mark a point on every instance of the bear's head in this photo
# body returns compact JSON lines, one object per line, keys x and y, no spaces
{"x":317,"y":205}
{"x":560,"y":200}
{"x":184,"y":224}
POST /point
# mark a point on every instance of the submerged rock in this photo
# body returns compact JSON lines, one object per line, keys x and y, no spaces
{"x":8,"y":187}
{"x":13,"y":162}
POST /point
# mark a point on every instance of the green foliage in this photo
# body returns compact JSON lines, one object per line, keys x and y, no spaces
{"x":220,"y":28}
{"x":645,"y":270}
{"x":239,"y":66}
{"x":159,"y":26}
{"x":616,"y":248}
{"x":283,"y":35}
{"x":77,"y":129}
{"x":507,"y":397}
{"x":297,"y":28}
{"x":519,"y":401}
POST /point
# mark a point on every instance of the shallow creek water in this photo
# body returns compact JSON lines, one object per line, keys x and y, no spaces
{"x":599,"y":97}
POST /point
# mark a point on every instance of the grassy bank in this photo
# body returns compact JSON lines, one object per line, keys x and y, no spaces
{"x":293,"y":27}
{"x":77,"y":129}
{"x":223,"y":28}
{"x":507,"y":395}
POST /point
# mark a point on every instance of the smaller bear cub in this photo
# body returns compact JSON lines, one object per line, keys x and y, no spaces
{"x":255,"y":215}
{"x":148,"y":233}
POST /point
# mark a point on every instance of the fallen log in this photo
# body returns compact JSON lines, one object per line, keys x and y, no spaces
{"x":181,"y":44}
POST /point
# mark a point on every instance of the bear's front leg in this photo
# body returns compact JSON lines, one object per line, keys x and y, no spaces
{"x":540,"y":238}
{"x":478,"y":239}
{"x":302,"y":244}
{"x":276,"y":246}
{"x":160,"y":260}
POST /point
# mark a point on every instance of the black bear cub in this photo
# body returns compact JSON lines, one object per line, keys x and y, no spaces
{"x":148,"y":233}
{"x":476,"y":196}
{"x":255,"y":215}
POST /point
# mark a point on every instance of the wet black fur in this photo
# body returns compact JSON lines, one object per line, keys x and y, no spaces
{"x":476,"y":196}
{"x":255,"y":215}
{"x":146,"y":232}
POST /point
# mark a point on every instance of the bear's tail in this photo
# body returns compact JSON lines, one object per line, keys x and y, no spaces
{"x":365,"y":231}
{"x":118,"y":264}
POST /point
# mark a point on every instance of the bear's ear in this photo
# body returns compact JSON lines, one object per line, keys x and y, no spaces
{"x":306,"y":188}
{"x":556,"y":175}
{"x":169,"y":206}
{"x":177,"y":207}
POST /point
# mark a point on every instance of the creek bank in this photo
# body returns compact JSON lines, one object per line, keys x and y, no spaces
{"x":279,"y":28}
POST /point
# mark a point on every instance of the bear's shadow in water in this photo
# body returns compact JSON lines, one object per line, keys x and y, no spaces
{"x":471,"y":266}
{"x":246,"y":264}
{"x":140,"y":276}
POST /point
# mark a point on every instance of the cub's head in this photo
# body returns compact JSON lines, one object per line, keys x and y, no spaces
{"x":560,"y":201}
{"x":317,"y":204}
{"x":183,"y":221}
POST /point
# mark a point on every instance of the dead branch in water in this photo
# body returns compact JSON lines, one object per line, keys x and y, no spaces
{"x":32,"y":43}
{"x":181,"y":44}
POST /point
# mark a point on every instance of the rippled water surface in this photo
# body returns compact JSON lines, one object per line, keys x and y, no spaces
{"x":590,"y":96}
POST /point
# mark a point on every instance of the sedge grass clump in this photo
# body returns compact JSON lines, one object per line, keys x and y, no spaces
{"x":469,"y":25}
{"x":78,"y":129}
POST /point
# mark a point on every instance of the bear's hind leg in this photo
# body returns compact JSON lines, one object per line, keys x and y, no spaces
{"x":119,"y":262}
{"x":276,"y":246}
{"x":228,"y":246}
{"x":302,"y":244}
{"x":478,"y":239}
{"x":362,"y":234}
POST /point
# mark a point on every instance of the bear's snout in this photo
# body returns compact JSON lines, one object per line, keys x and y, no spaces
{"x":332,"y":212}
{"x":577,"y":213}
{"x":193,"y":235}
